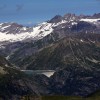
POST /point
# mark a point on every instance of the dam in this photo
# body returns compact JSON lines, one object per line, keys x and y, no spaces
{"x":47,"y":73}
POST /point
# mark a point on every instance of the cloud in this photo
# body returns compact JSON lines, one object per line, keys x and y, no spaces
{"x":19,"y":7}
{"x":3,"y":7}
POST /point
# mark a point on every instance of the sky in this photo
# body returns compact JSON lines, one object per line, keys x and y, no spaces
{"x":37,"y":11}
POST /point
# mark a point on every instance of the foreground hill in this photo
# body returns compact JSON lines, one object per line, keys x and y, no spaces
{"x":93,"y":96}
{"x":15,"y":84}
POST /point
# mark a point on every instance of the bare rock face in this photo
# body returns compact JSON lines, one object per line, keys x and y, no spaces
{"x":96,"y":15}
{"x":56,"y":19}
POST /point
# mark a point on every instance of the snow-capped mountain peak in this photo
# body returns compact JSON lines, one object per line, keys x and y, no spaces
{"x":13,"y":32}
{"x":36,"y":32}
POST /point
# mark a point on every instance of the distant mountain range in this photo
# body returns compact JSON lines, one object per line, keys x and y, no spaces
{"x":13,"y":32}
{"x":69,"y":45}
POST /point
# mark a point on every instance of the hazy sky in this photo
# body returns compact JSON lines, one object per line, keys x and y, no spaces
{"x":35,"y":11}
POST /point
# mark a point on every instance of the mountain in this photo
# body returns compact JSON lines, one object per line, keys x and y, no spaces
{"x":77,"y":67}
{"x":11,"y":80}
{"x":14,"y":84}
{"x":69,"y":45}
{"x":72,"y":80}
{"x":76,"y":63}
{"x":13,"y":32}
{"x":69,"y":50}
{"x":96,"y":15}
{"x":18,"y":41}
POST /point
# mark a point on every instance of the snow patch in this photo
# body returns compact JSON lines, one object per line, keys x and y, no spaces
{"x":93,"y":60}
{"x":74,"y":23}
{"x":81,"y":40}
{"x":5,"y":27}
{"x":90,"y":20}
{"x":59,"y":23}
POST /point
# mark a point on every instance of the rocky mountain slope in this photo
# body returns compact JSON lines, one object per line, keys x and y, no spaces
{"x":70,"y":50}
{"x":76,"y":63}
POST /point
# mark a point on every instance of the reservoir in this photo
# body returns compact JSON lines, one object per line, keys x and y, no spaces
{"x":47,"y":73}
